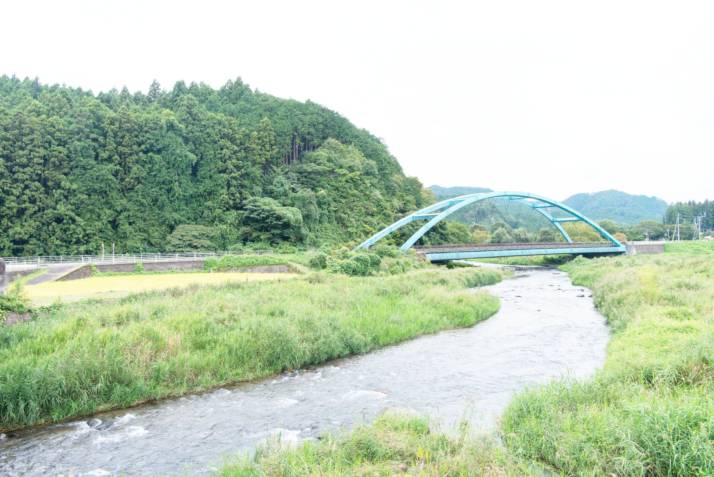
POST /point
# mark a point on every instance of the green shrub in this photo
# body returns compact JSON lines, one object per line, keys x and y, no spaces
{"x":358,"y":263}
{"x":318,"y":261}
{"x":13,"y":301}
{"x":138,"y":267}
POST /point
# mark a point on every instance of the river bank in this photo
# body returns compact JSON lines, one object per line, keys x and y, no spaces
{"x":651,"y":409}
{"x":83,"y":358}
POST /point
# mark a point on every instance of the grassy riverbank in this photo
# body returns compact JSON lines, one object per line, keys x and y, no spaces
{"x":392,"y":445}
{"x":649,"y":412}
{"x":80,"y":358}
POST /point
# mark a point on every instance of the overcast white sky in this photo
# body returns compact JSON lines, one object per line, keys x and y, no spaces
{"x":541,"y":96}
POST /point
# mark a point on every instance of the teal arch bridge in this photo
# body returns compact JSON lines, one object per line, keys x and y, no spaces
{"x":556,"y":213}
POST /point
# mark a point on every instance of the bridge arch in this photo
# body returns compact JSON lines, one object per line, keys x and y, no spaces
{"x":437,"y":212}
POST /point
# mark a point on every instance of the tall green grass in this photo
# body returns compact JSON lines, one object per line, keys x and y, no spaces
{"x":236,"y":262}
{"x":393,"y":445}
{"x":650,"y":411}
{"x":77,"y":359}
{"x":690,"y":246}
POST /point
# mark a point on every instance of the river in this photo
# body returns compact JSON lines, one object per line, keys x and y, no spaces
{"x":546,"y":329}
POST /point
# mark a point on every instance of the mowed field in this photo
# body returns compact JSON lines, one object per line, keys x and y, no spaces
{"x":121,"y":285}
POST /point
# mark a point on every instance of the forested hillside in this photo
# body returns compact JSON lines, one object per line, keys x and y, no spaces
{"x":193,"y":166}
{"x":618,"y":206}
{"x":690,"y":212}
{"x":492,"y":214}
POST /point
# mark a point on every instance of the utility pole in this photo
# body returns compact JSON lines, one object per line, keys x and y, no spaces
{"x":676,"y":229}
{"x":698,"y":225}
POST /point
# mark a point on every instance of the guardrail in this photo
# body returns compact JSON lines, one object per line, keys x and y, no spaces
{"x":39,"y":261}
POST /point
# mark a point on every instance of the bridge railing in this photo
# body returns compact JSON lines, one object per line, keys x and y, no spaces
{"x":42,"y":260}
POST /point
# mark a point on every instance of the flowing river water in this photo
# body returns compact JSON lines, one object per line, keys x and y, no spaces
{"x":546,"y":329}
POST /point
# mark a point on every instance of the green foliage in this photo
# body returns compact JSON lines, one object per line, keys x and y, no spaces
{"x":650,"y":411}
{"x":547,"y":234}
{"x":357,"y":263}
{"x":139,"y":267}
{"x":501,"y":235}
{"x":380,"y":259}
{"x":318,"y":261}
{"x":582,"y":232}
{"x":521,"y":235}
{"x":79,"y":170}
{"x":190,"y":238}
{"x":265,"y":220}
{"x":688,"y":211}
{"x":393,"y":445}
{"x":75,"y":359}
{"x":13,"y":301}
{"x":237,"y":262}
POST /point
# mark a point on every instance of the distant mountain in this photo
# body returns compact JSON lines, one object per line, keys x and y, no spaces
{"x":618,"y":206}
{"x":449,"y":192}
{"x":608,"y":204}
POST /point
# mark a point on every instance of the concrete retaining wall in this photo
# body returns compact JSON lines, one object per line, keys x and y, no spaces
{"x":7,"y":278}
{"x":635,"y":248}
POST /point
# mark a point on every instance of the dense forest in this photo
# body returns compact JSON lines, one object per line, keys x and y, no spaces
{"x":189,"y":167}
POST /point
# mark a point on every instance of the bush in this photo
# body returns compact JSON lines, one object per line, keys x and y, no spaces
{"x":139,"y":267}
{"x":359,"y":263}
{"x":13,"y":301}
{"x":501,"y":235}
{"x":192,"y":238}
{"x":318,"y":261}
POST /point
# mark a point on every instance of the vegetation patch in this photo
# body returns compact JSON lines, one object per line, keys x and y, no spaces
{"x":394,"y":445}
{"x":81,"y":358}
{"x":237,"y":262}
{"x":13,"y":303}
{"x":650,"y":411}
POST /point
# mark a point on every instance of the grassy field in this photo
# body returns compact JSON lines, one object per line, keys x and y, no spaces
{"x":79,"y":358}
{"x":115,"y":286}
{"x":649,"y":412}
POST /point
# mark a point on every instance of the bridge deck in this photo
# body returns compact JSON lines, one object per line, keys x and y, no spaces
{"x":440,"y":253}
